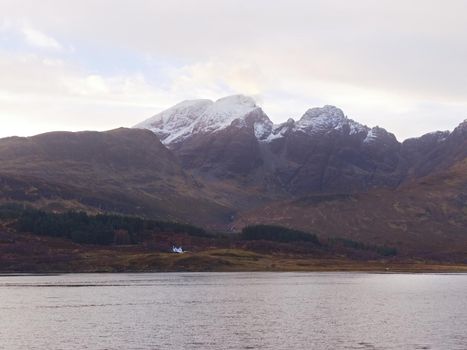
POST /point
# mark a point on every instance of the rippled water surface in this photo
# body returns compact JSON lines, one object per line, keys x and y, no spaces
{"x":234,"y":311}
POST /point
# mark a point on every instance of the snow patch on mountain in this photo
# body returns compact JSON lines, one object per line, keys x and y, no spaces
{"x":381,"y":135}
{"x":279,"y":131}
{"x":198,"y":116}
{"x":223,"y":112}
{"x":319,"y":120}
{"x":371,"y":136}
{"x":205,"y":116}
{"x":177,"y":121}
{"x":261,"y":130}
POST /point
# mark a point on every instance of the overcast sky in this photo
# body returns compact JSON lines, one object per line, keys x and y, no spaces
{"x":97,"y":65}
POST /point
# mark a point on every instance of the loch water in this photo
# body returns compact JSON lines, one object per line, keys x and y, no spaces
{"x":234,"y":311}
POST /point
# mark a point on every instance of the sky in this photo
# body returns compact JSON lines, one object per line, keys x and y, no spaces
{"x":102,"y":64}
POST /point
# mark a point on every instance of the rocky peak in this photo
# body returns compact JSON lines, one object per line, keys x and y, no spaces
{"x":427,"y":140}
{"x":193,"y":117}
{"x":320,"y":120}
{"x":326,"y":112}
{"x":201,"y":116}
{"x":380,"y":134}
{"x":461,"y":129}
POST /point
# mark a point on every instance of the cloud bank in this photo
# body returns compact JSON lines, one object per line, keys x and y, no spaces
{"x":104,"y":64}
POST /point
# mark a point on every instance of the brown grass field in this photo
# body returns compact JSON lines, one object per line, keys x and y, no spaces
{"x":33,"y":254}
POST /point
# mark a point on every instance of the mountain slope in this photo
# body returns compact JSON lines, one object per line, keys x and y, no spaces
{"x":122,"y":170}
{"x":224,"y":165}
{"x":328,"y":173}
{"x":435,"y":151}
{"x":427,"y":216}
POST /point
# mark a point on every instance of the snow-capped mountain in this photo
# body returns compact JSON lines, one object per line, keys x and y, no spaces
{"x":222,"y":158}
{"x":323,"y":151}
{"x":318,"y":120}
{"x":192,"y":117}
{"x":201,"y":116}
{"x":233,"y":137}
{"x":176,"y":122}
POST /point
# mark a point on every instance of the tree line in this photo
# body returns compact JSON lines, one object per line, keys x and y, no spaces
{"x":83,"y":228}
{"x":106,"y":229}
{"x":278,"y":234}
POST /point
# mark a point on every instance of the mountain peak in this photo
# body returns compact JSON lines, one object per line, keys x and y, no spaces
{"x":461,"y":129}
{"x":326,"y":111}
{"x":202,"y":116}
{"x":223,"y":112}
{"x":326,"y":118}
{"x":198,"y":116}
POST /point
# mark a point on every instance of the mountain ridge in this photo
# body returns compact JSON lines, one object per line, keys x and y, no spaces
{"x":307,"y":175}
{"x":190,"y":117}
{"x":249,"y":146}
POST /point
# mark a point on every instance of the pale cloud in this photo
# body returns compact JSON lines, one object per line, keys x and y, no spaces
{"x":38,"y":39}
{"x":283,"y":94}
{"x":218,"y":77}
{"x":397,"y":64}
{"x":38,"y":95}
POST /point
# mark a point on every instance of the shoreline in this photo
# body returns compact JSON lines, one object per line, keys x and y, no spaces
{"x":351,"y":267}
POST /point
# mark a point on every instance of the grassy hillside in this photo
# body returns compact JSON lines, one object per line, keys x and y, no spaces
{"x":36,"y":241}
{"x":122,"y":171}
{"x":426,"y":217}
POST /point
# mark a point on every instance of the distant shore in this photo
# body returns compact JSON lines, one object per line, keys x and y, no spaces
{"x":219,"y":260}
{"x":171,"y":247}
